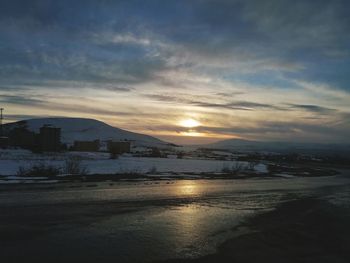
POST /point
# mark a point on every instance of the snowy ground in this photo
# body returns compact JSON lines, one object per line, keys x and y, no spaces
{"x":98,"y":163}
{"x":131,"y":165}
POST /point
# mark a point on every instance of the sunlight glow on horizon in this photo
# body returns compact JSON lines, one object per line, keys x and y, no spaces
{"x":189,"y":123}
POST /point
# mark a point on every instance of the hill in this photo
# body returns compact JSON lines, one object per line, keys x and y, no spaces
{"x":86,"y":130}
{"x":279,"y":146}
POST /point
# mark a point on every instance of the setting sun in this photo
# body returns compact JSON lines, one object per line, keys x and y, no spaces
{"x":189,"y":123}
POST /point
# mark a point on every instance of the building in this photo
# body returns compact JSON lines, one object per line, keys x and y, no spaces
{"x":50,"y":138}
{"x":4,"y":142}
{"x":22,"y":137}
{"x":119,"y":147}
{"x":86,"y":146}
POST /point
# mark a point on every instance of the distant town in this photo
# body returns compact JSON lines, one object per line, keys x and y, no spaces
{"x":49,"y":140}
{"x":51,"y":147}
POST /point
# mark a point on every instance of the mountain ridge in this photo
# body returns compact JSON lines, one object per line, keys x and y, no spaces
{"x":277,"y":146}
{"x":82,"y":129}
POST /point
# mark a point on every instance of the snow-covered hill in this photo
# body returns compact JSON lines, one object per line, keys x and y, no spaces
{"x":86,"y":130}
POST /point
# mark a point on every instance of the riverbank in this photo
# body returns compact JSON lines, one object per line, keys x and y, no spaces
{"x":152,"y":221}
{"x":306,"y":230}
{"x":6,"y":181}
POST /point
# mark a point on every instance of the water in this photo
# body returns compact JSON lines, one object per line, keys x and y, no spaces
{"x":146,"y":221}
{"x":160,"y":190}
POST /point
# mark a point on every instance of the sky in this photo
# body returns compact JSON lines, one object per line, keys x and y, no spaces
{"x":185,"y":71}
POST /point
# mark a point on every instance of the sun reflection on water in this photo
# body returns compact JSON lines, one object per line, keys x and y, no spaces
{"x":188,"y":188}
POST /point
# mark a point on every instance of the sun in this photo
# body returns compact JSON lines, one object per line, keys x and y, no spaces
{"x":189,"y":123}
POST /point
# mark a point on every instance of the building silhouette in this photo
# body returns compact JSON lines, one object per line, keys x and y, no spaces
{"x":22,"y":137}
{"x":86,"y":146}
{"x":4,"y":140}
{"x":50,"y":138}
{"x":119,"y":147}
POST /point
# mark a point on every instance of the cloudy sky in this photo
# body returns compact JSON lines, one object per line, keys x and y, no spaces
{"x":187,"y":71}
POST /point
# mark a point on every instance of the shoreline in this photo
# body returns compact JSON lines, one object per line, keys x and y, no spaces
{"x":292,"y":230}
{"x":303,"y":230}
{"x":7,"y":181}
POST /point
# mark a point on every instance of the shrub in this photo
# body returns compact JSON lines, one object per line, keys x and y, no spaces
{"x":226,"y":169}
{"x":40,"y":169}
{"x":180,"y":155}
{"x":251,"y":165}
{"x":156,"y":153}
{"x":74,"y":166}
{"x":234,"y":169}
{"x":152,"y":170}
{"x":113,"y":155}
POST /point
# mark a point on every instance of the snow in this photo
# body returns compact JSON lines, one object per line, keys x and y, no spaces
{"x":13,"y":177}
{"x":284,"y":175}
{"x":131,"y":165}
{"x":222,"y":153}
{"x":99,"y":163}
{"x":11,"y":154}
{"x":162,"y":165}
{"x":28,"y":181}
{"x":15,"y":154}
{"x":261,"y":168}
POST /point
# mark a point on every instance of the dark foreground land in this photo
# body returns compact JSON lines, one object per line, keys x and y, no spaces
{"x":185,"y":221}
{"x":306,"y":230}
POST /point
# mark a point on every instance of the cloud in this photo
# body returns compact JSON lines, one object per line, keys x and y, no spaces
{"x":234,"y":105}
{"x":119,"y":88}
{"x":20,"y":100}
{"x":46,"y":103}
{"x":19,"y":117}
{"x":237,"y":105}
{"x":74,"y":65}
{"x":268,"y":130}
{"x":129,"y":41}
{"x":233,"y":57}
{"x":272,"y":130}
{"x":313,"y":108}
{"x":230,"y":94}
